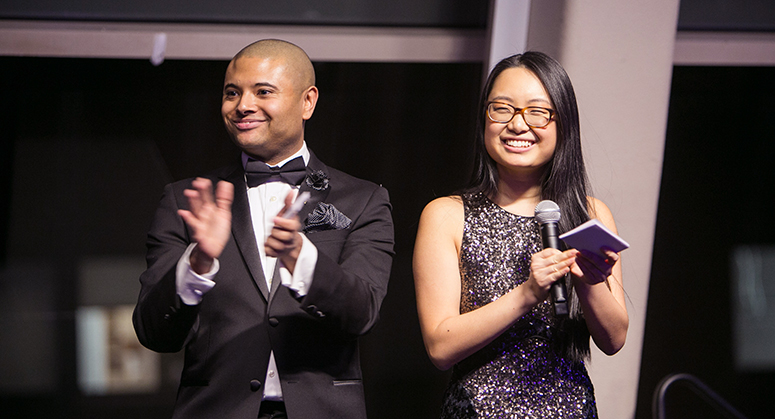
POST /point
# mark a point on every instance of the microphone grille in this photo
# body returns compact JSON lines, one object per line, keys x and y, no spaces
{"x":547,"y":212}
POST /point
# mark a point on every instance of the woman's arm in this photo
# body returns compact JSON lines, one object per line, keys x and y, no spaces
{"x":448,"y":335}
{"x":598,"y":282}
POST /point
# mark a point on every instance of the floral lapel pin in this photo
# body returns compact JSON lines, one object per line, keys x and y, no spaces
{"x":317,"y":180}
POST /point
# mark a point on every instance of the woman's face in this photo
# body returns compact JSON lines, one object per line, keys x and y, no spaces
{"x":516,"y":147}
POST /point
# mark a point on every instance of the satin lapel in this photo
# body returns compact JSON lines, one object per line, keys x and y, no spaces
{"x":242,"y":230}
{"x":315,"y":195}
{"x":276,"y":281}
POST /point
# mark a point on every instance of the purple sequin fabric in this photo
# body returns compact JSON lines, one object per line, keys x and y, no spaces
{"x":521,"y":374}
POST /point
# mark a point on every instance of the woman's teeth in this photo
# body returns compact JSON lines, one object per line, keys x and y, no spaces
{"x":519,"y":143}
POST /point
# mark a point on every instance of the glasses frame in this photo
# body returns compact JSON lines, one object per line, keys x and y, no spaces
{"x":520,"y":111}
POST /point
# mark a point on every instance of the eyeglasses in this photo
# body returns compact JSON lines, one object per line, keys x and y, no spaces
{"x":534,"y":116}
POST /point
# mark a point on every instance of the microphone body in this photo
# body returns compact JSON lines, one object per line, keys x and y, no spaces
{"x":548,"y":214}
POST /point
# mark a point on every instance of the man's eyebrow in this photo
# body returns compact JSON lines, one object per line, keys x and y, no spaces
{"x":259,"y":84}
{"x":265,"y":84}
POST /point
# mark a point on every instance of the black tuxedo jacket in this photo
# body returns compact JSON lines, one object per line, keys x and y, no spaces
{"x":227,"y":338}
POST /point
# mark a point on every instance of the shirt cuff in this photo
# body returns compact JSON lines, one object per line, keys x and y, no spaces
{"x":190,"y":285}
{"x":304,"y":271}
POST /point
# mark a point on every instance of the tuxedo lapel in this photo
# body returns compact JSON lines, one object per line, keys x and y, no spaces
{"x":242,"y":230}
{"x":276,"y":281}
{"x":318,"y":193}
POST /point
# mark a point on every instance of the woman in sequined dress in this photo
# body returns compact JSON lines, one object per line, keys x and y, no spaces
{"x":481,"y":278}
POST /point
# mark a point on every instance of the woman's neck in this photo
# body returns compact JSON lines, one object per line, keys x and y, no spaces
{"x":518,"y":194}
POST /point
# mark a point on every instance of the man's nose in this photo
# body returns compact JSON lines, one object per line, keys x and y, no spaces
{"x":247,"y":104}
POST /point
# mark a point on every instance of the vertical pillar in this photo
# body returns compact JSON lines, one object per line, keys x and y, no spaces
{"x":508,"y":29}
{"x":619,"y":56}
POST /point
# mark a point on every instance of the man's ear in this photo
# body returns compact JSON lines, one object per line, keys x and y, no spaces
{"x":310,"y":99}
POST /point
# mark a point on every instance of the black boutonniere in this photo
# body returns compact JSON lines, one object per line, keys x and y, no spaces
{"x":317,"y":180}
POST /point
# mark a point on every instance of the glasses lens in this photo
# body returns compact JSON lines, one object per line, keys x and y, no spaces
{"x":536,"y":117}
{"x":500,"y":112}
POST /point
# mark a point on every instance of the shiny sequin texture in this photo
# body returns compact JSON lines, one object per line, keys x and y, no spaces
{"x":520,"y":374}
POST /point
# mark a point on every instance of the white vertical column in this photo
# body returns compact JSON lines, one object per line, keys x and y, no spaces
{"x":508,"y":29}
{"x":620,"y":58}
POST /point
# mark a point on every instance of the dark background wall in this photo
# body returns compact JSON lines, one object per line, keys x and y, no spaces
{"x":726,"y":15}
{"x":448,"y":13}
{"x":716,"y":194}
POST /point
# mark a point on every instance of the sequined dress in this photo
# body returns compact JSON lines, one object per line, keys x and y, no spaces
{"x":521,"y":374}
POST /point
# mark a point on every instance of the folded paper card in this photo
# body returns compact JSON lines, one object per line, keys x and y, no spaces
{"x":593,"y":235}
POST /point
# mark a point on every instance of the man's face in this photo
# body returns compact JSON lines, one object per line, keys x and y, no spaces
{"x":264,"y":108}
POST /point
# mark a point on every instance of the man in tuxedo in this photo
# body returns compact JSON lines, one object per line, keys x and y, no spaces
{"x":267,"y":306}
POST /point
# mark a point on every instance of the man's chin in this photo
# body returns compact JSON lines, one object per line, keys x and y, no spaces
{"x":247,"y":143}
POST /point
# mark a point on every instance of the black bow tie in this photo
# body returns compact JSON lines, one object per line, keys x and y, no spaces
{"x":292,"y":172}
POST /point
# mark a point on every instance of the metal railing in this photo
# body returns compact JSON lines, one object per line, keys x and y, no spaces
{"x":699,"y":388}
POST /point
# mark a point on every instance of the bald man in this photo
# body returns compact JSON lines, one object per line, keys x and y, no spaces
{"x":266,"y":293}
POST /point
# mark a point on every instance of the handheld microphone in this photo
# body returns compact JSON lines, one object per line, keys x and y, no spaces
{"x":547,"y":214}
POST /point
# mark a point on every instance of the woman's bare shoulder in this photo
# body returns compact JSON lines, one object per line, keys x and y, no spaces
{"x":445,"y":212}
{"x":446,"y":203}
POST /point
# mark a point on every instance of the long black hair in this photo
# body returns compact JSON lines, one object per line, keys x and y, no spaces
{"x":564,"y":179}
